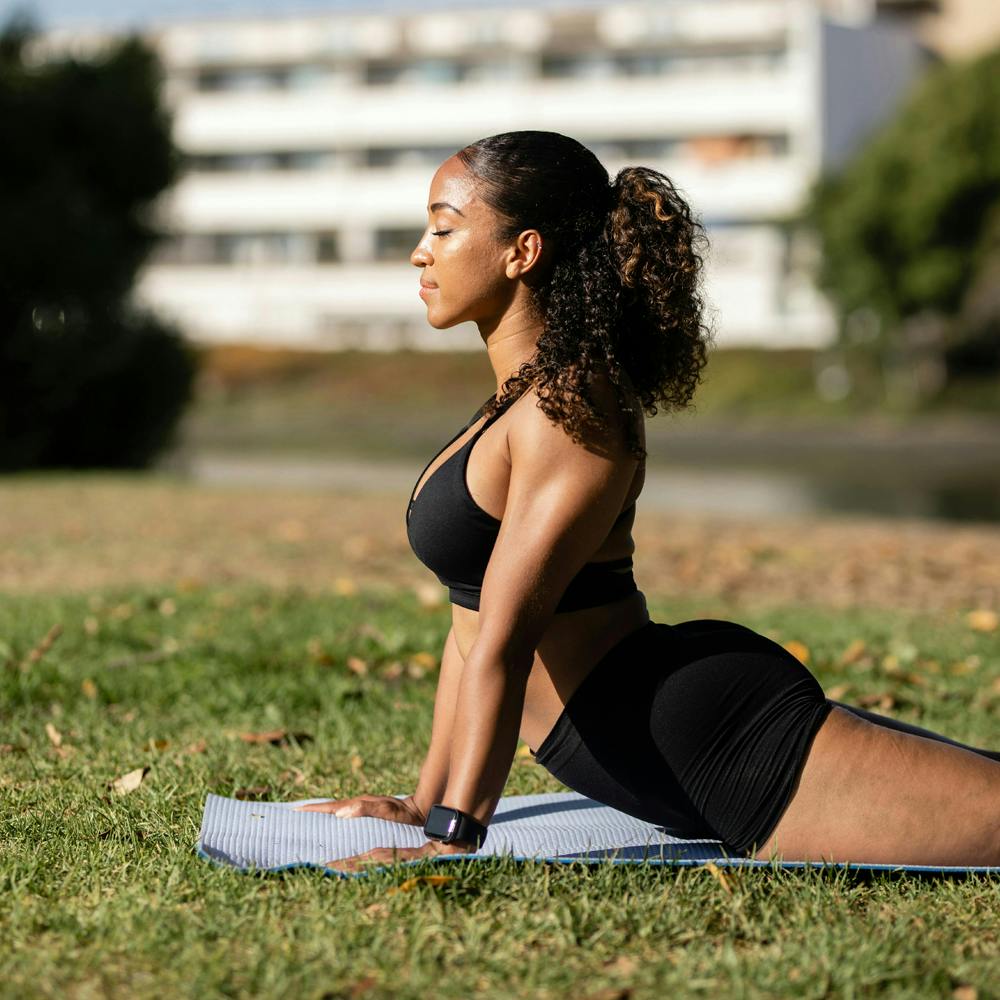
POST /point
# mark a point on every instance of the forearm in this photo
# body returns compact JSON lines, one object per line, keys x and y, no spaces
{"x":434,"y":770}
{"x":485,"y":732}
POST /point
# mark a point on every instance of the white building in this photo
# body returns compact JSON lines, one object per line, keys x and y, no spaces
{"x":311,"y":140}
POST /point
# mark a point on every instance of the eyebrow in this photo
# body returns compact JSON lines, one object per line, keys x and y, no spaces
{"x":444,"y":204}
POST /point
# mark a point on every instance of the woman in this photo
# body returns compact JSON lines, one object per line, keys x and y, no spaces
{"x":585,"y":293}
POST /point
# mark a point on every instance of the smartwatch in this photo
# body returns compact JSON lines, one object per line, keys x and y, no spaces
{"x":448,"y":825}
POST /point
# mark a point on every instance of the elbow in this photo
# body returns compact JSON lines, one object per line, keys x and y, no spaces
{"x":512,"y":660}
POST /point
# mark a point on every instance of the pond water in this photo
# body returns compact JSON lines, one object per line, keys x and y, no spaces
{"x":886,"y":486}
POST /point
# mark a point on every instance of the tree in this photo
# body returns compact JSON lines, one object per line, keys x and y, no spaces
{"x":86,"y":379}
{"x":910,"y":230}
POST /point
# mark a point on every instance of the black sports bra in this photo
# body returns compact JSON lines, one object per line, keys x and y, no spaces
{"x":454,"y":537}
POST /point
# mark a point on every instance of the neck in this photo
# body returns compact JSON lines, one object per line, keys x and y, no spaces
{"x":510,"y":342}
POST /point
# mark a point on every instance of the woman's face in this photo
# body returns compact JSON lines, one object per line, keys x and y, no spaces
{"x":463,"y":266}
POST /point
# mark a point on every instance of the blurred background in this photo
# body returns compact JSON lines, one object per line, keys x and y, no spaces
{"x":207,"y":208}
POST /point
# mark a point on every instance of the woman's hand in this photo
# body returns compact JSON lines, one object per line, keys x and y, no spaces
{"x":394,"y":855}
{"x":375,"y":806}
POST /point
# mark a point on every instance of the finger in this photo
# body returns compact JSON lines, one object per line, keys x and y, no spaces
{"x":329,"y":806}
{"x":357,"y":862}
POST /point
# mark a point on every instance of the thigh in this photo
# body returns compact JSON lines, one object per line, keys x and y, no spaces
{"x":868,"y":793}
{"x":906,"y":727}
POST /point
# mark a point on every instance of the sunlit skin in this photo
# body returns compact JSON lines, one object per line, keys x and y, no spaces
{"x":865,"y":793}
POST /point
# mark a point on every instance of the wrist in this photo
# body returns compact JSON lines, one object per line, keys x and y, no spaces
{"x":452,"y":826}
{"x":456,"y":847}
{"x":414,"y":807}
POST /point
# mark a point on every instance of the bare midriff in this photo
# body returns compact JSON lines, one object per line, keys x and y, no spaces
{"x":573,"y":643}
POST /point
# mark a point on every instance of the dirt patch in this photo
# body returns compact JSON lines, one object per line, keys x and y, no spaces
{"x":64,"y":534}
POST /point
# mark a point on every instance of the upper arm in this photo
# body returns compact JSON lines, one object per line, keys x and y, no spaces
{"x":564,"y":496}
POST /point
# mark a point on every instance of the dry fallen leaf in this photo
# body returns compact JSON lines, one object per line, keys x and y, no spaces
{"x":252,"y":793}
{"x":982,"y":620}
{"x":276,"y":737}
{"x":198,"y":746}
{"x":156,"y":744}
{"x":798,"y":649}
{"x":890,"y":664}
{"x":364,"y":985}
{"x":128,"y":782}
{"x":427,"y":660}
{"x":837,"y":692}
{"x":55,"y":737}
{"x":719,"y":875}
{"x":42,"y":648}
{"x":357,"y":666}
{"x":356,"y":763}
{"x":314,"y":647}
{"x":883,"y":701}
{"x":611,"y":993}
{"x":962,"y":668}
{"x":856,"y":649}
{"x":89,"y":688}
{"x":429,"y":595}
{"x":392,"y":671}
{"x":412,"y":883}
{"x":624,"y":965}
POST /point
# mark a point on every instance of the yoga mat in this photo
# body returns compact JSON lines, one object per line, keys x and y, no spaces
{"x":558,"y":826}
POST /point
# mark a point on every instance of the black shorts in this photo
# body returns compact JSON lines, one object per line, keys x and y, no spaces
{"x":701,"y":727}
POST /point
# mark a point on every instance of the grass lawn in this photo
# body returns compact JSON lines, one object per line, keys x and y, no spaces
{"x":103,"y":894}
{"x":180,"y":617}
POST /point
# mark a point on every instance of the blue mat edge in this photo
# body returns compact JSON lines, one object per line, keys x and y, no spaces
{"x":751,"y":863}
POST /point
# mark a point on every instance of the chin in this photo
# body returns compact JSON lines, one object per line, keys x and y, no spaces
{"x":442,"y":322}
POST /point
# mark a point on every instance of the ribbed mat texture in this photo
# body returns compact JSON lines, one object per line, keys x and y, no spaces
{"x":561,"y":826}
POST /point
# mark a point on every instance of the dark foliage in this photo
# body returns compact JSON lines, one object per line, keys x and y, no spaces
{"x":910,"y":228}
{"x":85,"y":379}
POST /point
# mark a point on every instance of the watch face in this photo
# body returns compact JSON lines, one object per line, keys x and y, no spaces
{"x":440,"y":822}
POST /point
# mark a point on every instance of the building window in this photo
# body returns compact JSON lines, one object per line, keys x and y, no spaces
{"x":579,"y":67}
{"x":249,"y":248}
{"x":382,"y":72}
{"x":250,"y":162}
{"x":709,"y":150}
{"x":245,"y":78}
{"x":395,"y":244}
{"x":327,"y":248}
{"x":407,"y":156}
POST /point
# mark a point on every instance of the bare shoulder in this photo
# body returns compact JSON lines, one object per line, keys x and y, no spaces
{"x":532,"y":430}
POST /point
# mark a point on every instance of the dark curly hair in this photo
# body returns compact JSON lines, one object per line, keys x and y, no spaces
{"x":620,"y":294}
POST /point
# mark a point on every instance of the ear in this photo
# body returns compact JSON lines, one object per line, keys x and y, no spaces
{"x":525,"y":254}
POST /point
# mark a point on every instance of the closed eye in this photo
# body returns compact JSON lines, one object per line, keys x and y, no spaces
{"x":441,"y":232}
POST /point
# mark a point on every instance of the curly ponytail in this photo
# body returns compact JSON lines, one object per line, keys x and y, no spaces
{"x":622,"y":294}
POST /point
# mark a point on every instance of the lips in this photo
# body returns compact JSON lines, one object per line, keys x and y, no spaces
{"x":427,"y":284}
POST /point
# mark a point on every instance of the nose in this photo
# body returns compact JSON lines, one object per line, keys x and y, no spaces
{"x":421,"y":256}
